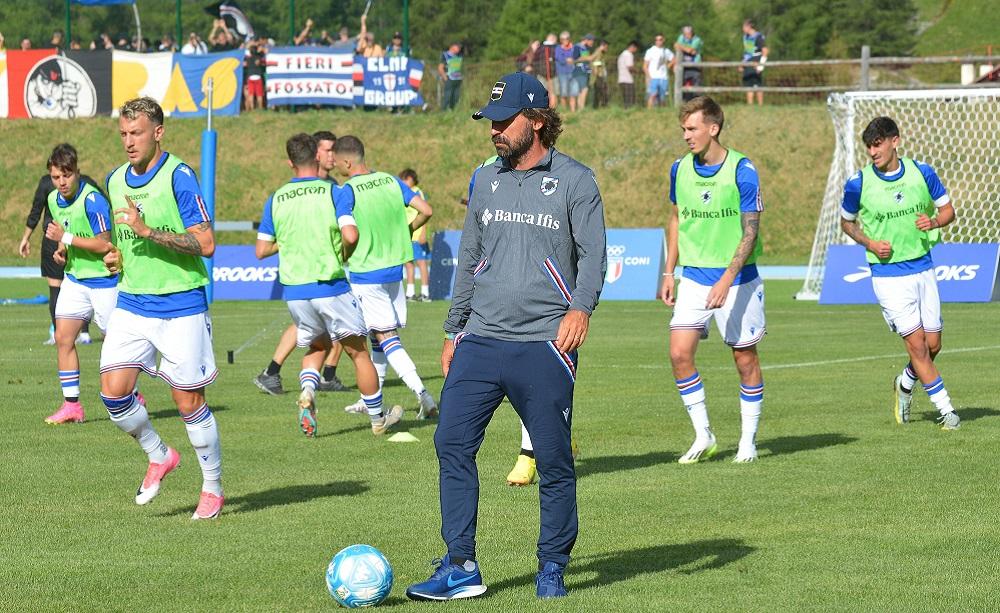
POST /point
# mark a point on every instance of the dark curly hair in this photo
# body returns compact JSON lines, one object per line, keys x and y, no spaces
{"x":552,"y":127}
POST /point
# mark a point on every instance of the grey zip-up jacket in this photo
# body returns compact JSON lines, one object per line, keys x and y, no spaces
{"x":533,"y":246}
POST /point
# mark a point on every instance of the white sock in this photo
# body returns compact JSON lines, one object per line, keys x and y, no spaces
{"x":70,"y":382}
{"x":525,"y":439}
{"x":409,"y":290}
{"x":203,"y":433}
{"x":751,"y":402}
{"x":425,"y":290}
{"x":693,"y":396}
{"x":309,"y":378}
{"x":400,"y":361}
{"x":374,"y":405}
{"x":379,"y":361}
{"x":909,"y":378}
{"x":131,"y":417}
{"x":939,"y":396}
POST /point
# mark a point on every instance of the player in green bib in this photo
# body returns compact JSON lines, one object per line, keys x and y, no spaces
{"x":901,"y":206}
{"x":81,"y":223}
{"x":162,"y":231}
{"x":301,"y":224}
{"x":269,"y":379}
{"x":376,"y":203}
{"x":421,"y":247}
{"x":713,"y":233}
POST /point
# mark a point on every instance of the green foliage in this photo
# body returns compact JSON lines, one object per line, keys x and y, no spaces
{"x":813,"y":29}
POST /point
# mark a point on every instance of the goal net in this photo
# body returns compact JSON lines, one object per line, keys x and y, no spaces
{"x":955,"y":131}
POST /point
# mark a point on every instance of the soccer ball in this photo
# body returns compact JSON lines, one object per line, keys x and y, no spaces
{"x":359,"y":576}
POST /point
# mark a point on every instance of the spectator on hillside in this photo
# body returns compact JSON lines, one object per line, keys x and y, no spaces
{"x":526,"y":60}
{"x":123,"y":44}
{"x":347,"y":43}
{"x":166,"y":43}
{"x":583,"y":70}
{"x":598,"y":61}
{"x":626,"y":73}
{"x":450,"y":71}
{"x":304,"y":38}
{"x":57,"y":39}
{"x":102,"y":42}
{"x":75,"y":44}
{"x":395,"y":48}
{"x":3,"y":46}
{"x":25,"y":44}
{"x":194,"y":45}
{"x":657,"y":64}
{"x":254,"y":64}
{"x":368,"y":47}
{"x":754,"y":52}
{"x":221,"y":38}
{"x":545,"y":68}
{"x":566,"y":55}
{"x":689,"y":45}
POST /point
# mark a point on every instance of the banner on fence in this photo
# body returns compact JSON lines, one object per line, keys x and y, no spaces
{"x":387,"y":81}
{"x":309,"y":75}
{"x":635,"y":264}
{"x":187,"y":95}
{"x":965,"y":273}
{"x":139,"y":74}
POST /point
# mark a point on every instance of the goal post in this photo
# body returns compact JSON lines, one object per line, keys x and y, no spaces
{"x":956,"y":131}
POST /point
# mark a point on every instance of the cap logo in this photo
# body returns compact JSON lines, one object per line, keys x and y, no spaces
{"x":531,"y":97}
{"x":497,"y":90}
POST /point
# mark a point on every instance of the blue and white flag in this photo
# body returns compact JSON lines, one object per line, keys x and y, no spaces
{"x":388,"y":81}
{"x":309,"y":75}
{"x":101,"y":2}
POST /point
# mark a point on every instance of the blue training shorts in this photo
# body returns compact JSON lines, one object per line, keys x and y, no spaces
{"x":421,"y":251}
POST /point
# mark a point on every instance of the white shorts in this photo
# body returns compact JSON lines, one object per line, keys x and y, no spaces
{"x":77,"y":301}
{"x":740,"y":320}
{"x":382,"y":304}
{"x":910,"y":302}
{"x":184,"y":345}
{"x":337,"y":316}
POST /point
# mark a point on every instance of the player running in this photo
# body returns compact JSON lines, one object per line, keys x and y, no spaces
{"x":902,"y":205}
{"x":377,"y":200}
{"x":301,"y":223}
{"x":162,"y":231}
{"x":713,"y":233}
{"x":81,"y":224}
{"x":421,"y":248}
{"x":269,"y":379}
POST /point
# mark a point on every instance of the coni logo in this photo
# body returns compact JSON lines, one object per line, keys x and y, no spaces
{"x":618,"y":260}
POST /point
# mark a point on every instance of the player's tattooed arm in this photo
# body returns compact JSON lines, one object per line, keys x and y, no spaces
{"x":188,"y":242}
{"x":853,"y":230}
{"x":751,"y":228}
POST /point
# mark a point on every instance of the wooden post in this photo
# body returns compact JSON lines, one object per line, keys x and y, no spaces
{"x":679,"y":81}
{"x":866,"y":54}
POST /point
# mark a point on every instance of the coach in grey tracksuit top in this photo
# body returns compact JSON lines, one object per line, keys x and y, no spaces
{"x":533,"y":245}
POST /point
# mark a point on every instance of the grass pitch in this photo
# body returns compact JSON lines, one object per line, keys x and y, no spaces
{"x":845,"y":510}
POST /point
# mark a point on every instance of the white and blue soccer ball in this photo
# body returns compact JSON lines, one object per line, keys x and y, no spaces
{"x":359,"y":576}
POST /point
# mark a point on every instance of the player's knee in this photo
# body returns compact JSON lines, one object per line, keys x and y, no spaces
{"x":65,"y":337}
{"x":681,"y":356}
{"x":188,"y":402}
{"x":934,"y":346}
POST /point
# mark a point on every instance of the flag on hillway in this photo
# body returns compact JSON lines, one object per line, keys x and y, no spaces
{"x":101,"y":2}
{"x":236,"y":19}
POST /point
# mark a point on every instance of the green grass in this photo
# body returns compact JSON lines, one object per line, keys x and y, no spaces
{"x":630,"y":152}
{"x":844,"y":511}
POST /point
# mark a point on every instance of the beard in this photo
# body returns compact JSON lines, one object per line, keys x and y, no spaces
{"x":514,"y":150}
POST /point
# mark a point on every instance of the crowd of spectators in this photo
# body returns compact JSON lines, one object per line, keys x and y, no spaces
{"x":570,"y":70}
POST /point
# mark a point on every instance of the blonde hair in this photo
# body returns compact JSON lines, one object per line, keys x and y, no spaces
{"x":144,"y":106}
{"x":710,"y":110}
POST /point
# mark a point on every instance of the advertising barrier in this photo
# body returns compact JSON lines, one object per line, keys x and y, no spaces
{"x":965,"y":273}
{"x":239,"y":275}
{"x":635,"y":263}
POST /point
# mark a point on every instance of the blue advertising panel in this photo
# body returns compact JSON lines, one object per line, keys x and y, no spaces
{"x":444,"y":260}
{"x":190,"y":98}
{"x":965,"y":273}
{"x":389,"y":81}
{"x":239,"y":275}
{"x":635,"y":264}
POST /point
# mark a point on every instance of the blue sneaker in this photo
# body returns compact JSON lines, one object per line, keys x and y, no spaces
{"x":449,"y":581}
{"x":549,"y":581}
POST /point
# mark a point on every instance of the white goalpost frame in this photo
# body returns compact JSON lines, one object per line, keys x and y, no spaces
{"x":956,"y":131}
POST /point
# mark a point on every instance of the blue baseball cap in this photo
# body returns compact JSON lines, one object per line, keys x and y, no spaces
{"x":512,"y":94}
